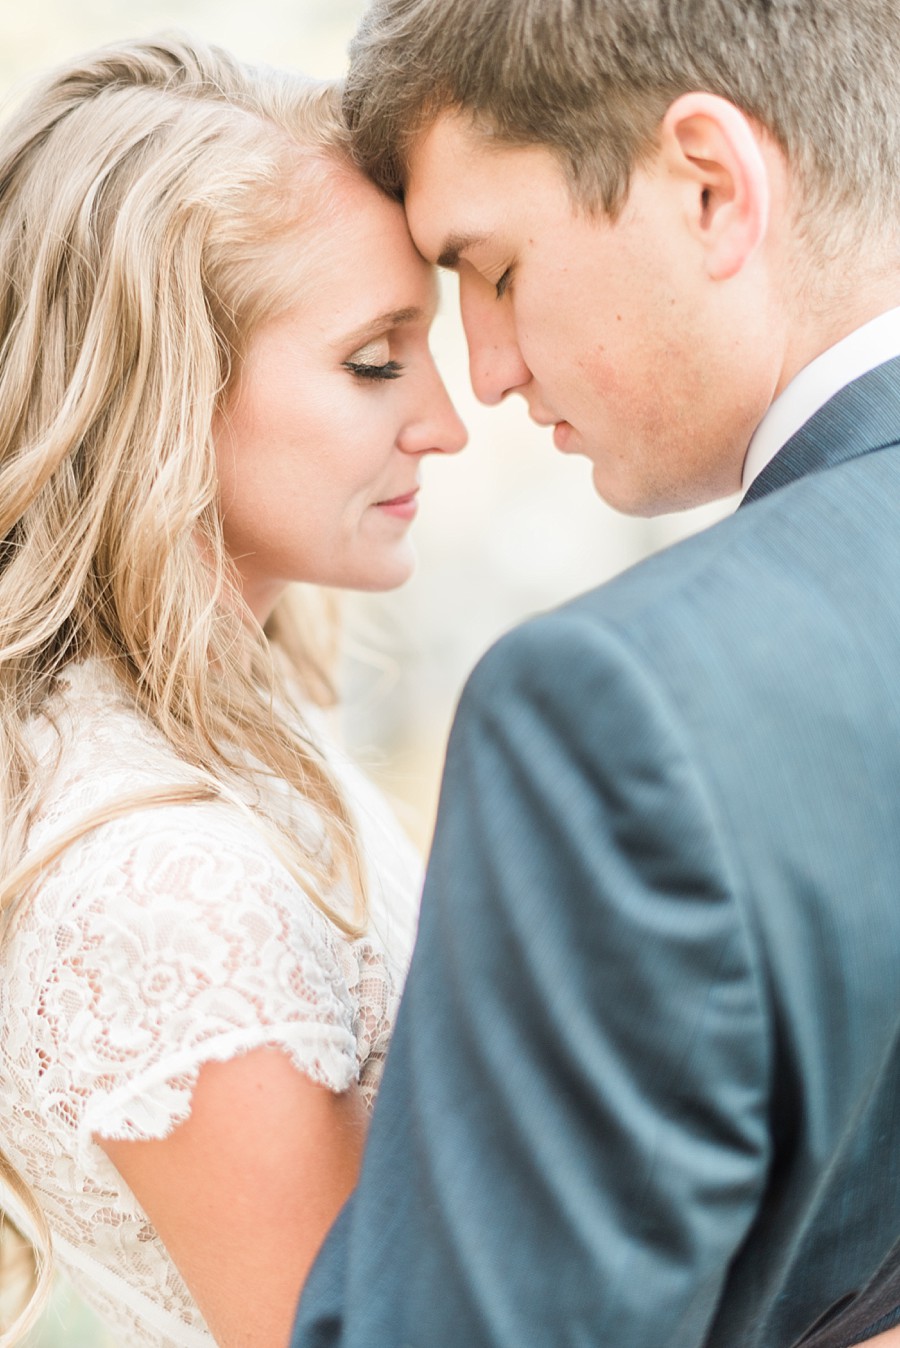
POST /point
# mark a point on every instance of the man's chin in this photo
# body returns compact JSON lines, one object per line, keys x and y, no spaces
{"x":627,"y":495}
{"x":646,"y":498}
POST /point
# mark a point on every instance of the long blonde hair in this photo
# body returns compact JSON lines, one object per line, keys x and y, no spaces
{"x":144,"y":193}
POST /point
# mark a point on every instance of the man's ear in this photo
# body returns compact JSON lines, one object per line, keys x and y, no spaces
{"x":711,"y":145}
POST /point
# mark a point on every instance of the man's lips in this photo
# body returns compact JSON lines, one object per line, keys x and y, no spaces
{"x":562,"y":434}
{"x":561,"y":429}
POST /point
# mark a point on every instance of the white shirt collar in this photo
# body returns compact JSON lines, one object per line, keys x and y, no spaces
{"x":869,"y":346}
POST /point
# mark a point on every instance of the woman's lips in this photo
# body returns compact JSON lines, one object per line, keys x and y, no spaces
{"x":401,"y":507}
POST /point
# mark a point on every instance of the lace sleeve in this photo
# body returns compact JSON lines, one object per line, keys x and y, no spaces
{"x":178,"y":939}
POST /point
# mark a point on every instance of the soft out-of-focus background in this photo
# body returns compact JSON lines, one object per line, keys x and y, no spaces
{"x":506,"y":529}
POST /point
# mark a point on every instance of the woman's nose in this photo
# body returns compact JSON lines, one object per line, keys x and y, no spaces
{"x":439,"y":430}
{"x":453,"y":436}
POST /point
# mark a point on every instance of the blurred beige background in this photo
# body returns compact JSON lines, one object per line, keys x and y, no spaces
{"x":506,"y":529}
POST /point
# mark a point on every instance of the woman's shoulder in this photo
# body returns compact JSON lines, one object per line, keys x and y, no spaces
{"x":129,"y":848}
{"x":174,"y":935}
{"x":203,"y":885}
{"x":91,"y":744}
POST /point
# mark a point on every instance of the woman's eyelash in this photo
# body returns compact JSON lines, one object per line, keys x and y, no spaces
{"x":503,"y":284}
{"x":392,"y":369}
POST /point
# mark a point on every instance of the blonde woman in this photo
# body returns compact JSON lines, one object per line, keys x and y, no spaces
{"x":214,"y":380}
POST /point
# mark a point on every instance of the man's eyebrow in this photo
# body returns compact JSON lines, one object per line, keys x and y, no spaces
{"x":454,"y":246}
{"x":394,"y":318}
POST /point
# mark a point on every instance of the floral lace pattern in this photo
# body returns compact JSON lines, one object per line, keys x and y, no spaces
{"x":165,"y":939}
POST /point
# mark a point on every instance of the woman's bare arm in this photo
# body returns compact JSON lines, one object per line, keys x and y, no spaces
{"x":243,"y":1193}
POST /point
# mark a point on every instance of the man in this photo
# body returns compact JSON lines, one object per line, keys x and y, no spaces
{"x":645,"y":1086}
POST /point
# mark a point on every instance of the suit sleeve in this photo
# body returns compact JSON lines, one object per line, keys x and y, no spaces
{"x":571,"y":1140}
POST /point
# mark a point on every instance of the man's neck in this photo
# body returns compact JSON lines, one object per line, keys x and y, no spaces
{"x":856,"y":353}
{"x":826,"y":314}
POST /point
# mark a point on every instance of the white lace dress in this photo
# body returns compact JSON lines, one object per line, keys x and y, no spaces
{"x":163,"y":940}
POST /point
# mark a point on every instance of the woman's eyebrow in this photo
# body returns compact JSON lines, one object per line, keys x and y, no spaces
{"x":394,"y":318}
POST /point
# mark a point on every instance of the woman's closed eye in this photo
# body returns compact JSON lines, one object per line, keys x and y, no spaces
{"x":373,"y":361}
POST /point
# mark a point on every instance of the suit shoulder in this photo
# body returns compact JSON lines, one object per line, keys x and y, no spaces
{"x":572,"y":671}
{"x":601,"y":619}
{"x":778,"y":589}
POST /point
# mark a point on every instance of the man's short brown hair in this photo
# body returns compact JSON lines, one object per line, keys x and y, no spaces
{"x":591,"y":79}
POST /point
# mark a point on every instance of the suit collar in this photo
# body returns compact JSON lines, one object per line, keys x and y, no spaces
{"x":863,"y":416}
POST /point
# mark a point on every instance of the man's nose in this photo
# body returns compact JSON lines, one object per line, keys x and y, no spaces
{"x":496,"y":365}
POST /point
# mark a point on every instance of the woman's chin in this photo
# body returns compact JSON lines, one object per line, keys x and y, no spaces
{"x":384,"y":573}
{"x":390,"y":580}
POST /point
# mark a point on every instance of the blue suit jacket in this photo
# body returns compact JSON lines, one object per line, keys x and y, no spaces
{"x":645,"y":1084}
